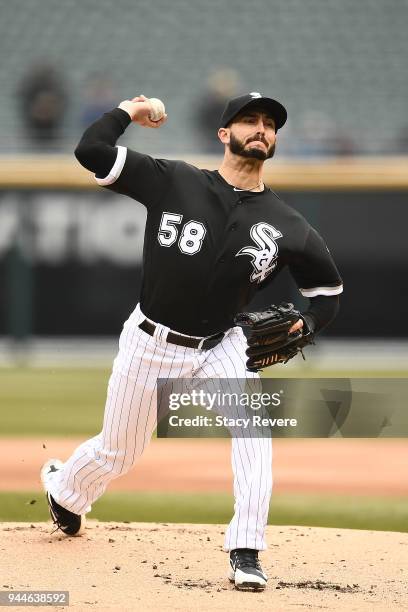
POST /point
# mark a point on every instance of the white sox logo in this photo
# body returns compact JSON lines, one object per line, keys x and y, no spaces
{"x":265,"y":258}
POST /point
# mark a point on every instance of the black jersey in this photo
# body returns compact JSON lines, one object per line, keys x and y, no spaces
{"x":209,"y":247}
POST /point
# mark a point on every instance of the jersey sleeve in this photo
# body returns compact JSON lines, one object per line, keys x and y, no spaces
{"x":313,"y":268}
{"x":138,"y":176}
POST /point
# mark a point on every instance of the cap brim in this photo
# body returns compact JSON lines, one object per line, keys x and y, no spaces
{"x":276,"y":109}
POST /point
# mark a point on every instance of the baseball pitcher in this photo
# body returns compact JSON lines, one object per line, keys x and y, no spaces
{"x":212,"y":240}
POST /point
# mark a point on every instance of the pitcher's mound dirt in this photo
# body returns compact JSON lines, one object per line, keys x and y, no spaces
{"x":147,"y":566}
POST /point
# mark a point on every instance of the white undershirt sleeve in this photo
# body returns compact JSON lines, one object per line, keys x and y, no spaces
{"x":314,"y":291}
{"x":117,"y":168}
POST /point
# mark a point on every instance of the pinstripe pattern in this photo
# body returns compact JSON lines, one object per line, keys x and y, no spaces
{"x":251,"y":457}
{"x":130,"y":418}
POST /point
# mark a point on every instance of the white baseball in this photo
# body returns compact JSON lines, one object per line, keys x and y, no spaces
{"x":157,"y":109}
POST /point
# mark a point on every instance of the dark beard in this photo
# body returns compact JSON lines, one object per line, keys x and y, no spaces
{"x":238,"y":148}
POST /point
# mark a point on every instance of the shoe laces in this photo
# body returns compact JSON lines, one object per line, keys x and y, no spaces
{"x":57,"y":521}
{"x":246,"y":557}
{"x":58,"y":526}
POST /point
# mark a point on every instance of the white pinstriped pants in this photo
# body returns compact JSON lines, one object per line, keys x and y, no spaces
{"x":130,"y":419}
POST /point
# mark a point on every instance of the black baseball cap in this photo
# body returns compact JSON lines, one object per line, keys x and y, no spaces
{"x":236,"y":105}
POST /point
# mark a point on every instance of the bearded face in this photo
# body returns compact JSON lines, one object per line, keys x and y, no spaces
{"x":244,"y":148}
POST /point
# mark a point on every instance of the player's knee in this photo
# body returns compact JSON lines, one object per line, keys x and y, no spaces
{"x":122,"y":465}
{"x":116,"y":462}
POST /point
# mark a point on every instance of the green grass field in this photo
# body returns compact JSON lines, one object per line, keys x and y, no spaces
{"x":70,"y":402}
{"x":59,"y":402}
{"x":385,"y":514}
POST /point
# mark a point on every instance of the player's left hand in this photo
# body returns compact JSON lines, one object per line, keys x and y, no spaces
{"x":275,"y":335}
{"x":296,"y":326}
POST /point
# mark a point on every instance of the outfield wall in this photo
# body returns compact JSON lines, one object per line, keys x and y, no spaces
{"x":70,"y":252}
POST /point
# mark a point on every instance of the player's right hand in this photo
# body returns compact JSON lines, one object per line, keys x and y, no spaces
{"x":139,"y":109}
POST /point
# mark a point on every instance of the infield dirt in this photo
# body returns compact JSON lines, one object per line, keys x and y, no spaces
{"x":147,"y":566}
{"x":345,"y":466}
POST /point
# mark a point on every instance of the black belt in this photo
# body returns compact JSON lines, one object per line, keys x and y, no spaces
{"x":202,"y":343}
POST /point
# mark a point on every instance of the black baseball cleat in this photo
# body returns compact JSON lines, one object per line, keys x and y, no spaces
{"x":246,"y":571}
{"x":69,"y":523}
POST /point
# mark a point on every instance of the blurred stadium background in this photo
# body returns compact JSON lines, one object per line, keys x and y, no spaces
{"x":70,"y":254}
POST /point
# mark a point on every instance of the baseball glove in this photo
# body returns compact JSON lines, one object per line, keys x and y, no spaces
{"x":269,"y":341}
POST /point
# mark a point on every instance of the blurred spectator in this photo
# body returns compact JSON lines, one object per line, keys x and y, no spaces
{"x":343,"y":144}
{"x":221,"y":85}
{"x":401,"y":142}
{"x":43,"y":103}
{"x":99,"y":98}
{"x":319,"y":136}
